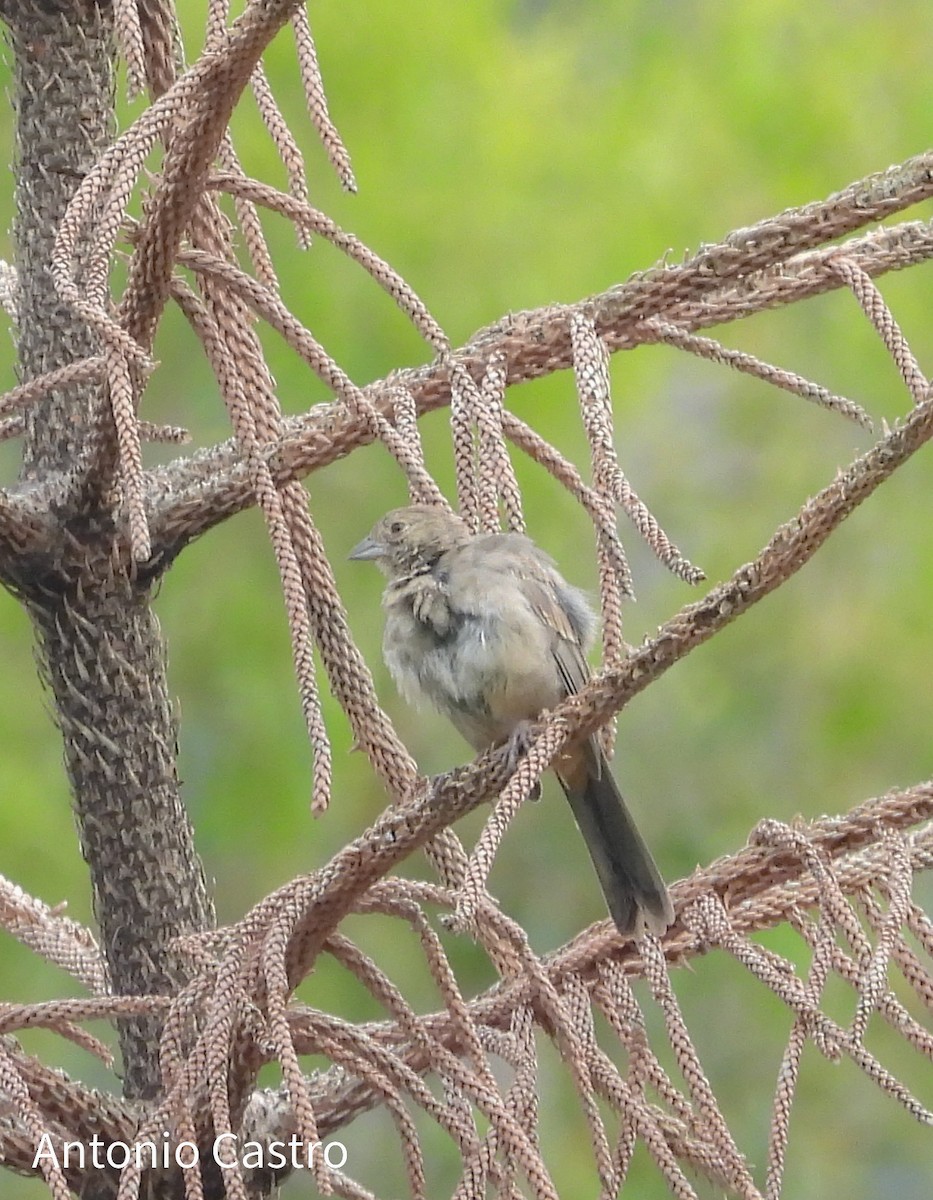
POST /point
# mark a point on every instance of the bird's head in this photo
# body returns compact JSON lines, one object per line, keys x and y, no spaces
{"x":410,"y":540}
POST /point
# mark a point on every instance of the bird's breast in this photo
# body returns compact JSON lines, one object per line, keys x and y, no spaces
{"x":484,"y":671}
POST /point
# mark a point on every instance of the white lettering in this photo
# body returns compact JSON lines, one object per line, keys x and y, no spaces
{"x":113,"y":1150}
{"x":44,"y":1150}
{"x":228,"y":1153}
{"x":251,"y":1158}
{"x":145,"y":1155}
{"x":76,"y":1148}
{"x":179,"y":1161}
{"x":335,"y":1166}
{"x":140,"y":1150}
{"x":96,"y":1146}
{"x":224,"y":1156}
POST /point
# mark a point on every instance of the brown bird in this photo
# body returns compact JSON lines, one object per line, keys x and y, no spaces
{"x":486,"y":629}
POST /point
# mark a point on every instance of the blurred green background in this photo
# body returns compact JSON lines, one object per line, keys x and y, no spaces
{"x":509,"y":155}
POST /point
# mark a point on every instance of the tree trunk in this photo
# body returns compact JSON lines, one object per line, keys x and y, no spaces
{"x":99,"y":641}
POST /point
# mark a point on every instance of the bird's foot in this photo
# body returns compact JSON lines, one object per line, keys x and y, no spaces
{"x":518,"y":744}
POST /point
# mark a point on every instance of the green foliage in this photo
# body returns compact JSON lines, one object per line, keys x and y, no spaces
{"x":508,"y":155}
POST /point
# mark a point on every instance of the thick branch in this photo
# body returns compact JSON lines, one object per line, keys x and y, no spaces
{"x":753,"y":883}
{"x":194,"y":493}
{"x":191,"y":495}
{"x":58,"y":65}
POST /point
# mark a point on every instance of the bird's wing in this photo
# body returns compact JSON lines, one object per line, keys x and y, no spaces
{"x":545,"y":598}
{"x":560,"y":608}
{"x":482,"y":566}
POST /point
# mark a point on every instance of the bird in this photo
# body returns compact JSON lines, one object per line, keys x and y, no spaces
{"x":486,"y":629}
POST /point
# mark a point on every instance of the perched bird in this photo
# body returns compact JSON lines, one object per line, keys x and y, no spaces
{"x":485,"y":628}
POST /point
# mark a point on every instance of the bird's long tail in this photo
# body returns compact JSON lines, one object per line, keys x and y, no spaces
{"x":630,"y":880}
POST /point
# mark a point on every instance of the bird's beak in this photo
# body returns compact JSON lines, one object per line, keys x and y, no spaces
{"x":367,"y":548}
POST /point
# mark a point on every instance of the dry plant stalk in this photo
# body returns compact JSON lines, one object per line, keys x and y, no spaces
{"x":843,"y":884}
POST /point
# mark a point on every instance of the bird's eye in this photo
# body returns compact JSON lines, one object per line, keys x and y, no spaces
{"x":396,"y":527}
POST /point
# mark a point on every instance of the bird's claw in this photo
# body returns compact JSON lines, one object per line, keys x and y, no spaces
{"x":519,"y":742}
